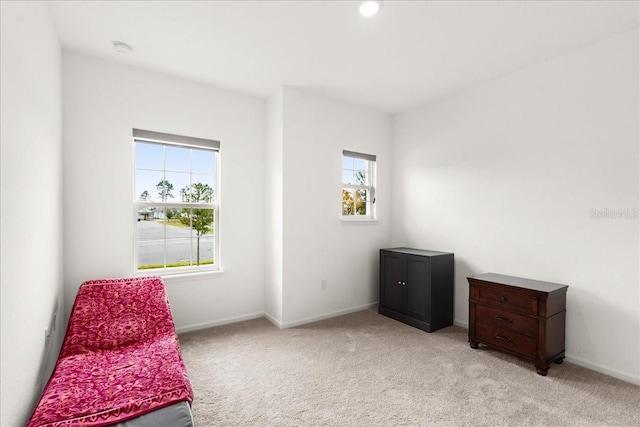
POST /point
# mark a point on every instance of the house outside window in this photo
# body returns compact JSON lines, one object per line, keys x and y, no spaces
{"x":176,"y":210}
{"x":358,"y":185}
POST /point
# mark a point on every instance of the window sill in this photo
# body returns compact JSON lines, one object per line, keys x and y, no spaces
{"x":184,"y":276}
{"x":348,"y":220}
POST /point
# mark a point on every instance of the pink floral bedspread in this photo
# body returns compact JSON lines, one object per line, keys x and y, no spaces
{"x":120,"y":357}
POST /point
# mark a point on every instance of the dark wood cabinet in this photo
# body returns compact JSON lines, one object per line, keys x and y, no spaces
{"x":416,"y":287}
{"x":519,"y":316}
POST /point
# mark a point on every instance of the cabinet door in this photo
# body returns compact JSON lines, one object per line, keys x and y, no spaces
{"x":391,"y":280}
{"x":417,"y":287}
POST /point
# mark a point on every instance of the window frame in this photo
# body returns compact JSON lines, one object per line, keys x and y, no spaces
{"x":170,"y":140}
{"x":371,"y":188}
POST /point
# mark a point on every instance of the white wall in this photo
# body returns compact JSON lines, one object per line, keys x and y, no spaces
{"x":505,"y":175}
{"x":273,"y":209}
{"x":31,"y":213}
{"x":317,"y":244}
{"x":103,"y":101}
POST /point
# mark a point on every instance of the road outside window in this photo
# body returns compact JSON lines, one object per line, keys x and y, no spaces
{"x":176,"y":204}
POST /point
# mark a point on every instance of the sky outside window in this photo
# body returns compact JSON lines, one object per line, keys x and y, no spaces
{"x":354,"y":171}
{"x":184,"y":166}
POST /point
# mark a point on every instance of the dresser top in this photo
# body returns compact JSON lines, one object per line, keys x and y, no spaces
{"x":520,"y":282}
{"x":420,"y":252}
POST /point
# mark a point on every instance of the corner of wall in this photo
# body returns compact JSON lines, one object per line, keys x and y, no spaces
{"x":32,"y":257}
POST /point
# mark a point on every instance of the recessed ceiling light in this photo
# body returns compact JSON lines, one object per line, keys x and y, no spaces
{"x":122,"y":47}
{"x":369,"y":7}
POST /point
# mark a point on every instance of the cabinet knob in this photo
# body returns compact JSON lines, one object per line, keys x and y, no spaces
{"x":399,"y":282}
{"x":404,"y":284}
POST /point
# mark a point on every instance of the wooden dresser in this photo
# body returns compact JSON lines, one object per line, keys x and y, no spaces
{"x":519,"y":316}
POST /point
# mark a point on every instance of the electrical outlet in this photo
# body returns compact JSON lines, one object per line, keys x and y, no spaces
{"x":47,"y":337}
{"x":48,"y":332}
{"x":55,"y":317}
{"x":323,"y":285}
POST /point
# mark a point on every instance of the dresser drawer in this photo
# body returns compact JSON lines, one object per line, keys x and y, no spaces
{"x":506,"y":339}
{"x":507,"y":320}
{"x":509,"y":300}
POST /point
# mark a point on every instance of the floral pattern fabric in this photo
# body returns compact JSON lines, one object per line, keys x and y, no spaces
{"x":120,"y":357}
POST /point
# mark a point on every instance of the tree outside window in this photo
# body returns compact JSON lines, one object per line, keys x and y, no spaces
{"x":176,"y":232}
{"x":357,"y":185}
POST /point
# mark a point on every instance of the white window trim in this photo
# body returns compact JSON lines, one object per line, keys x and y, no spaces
{"x":358,"y":219}
{"x":187,"y":272}
{"x":371,"y":189}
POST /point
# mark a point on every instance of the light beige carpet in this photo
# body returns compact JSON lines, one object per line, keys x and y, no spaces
{"x":364,"y":369}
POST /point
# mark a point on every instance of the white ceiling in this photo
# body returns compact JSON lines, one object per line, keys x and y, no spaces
{"x":410,"y":53}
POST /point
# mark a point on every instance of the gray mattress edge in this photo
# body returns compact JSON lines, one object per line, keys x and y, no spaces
{"x":176,"y":415}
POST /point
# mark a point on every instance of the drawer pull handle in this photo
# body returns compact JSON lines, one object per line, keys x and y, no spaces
{"x":503,"y":319}
{"x":502,"y":338}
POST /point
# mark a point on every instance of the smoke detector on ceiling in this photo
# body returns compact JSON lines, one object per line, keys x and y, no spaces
{"x":122,"y":47}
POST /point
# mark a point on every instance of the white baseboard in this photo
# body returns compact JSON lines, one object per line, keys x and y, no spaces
{"x":461,"y":323}
{"x":615,"y":373}
{"x":624,"y":376}
{"x":273,"y":320}
{"x":327,"y":315}
{"x":281,"y":325}
{"x":198,"y":326}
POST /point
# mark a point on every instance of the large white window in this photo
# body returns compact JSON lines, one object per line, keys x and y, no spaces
{"x":358,"y":185}
{"x":175,"y":205}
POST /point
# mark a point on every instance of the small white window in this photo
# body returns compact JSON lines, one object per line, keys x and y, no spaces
{"x":358,"y":185}
{"x":175,"y":205}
